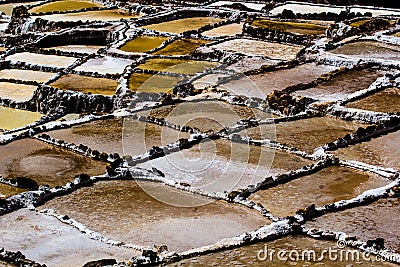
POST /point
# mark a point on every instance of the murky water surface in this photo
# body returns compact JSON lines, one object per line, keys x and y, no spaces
{"x":254,"y":255}
{"x":378,"y":219}
{"x":324,"y":187}
{"x":306,"y":134}
{"x":385,"y":101}
{"x":264,"y":84}
{"x":382,"y":151}
{"x":130,"y":214}
{"x":343,"y":85}
{"x":369,"y":49}
{"x":46,"y":240}
{"x":143,"y":43}
{"x":44,"y":163}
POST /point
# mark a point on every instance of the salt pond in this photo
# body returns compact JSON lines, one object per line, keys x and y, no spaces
{"x":16,"y":92}
{"x":182,"y":25}
{"x":86,"y":84}
{"x":105,"y":65}
{"x":15,"y":118}
{"x":41,"y":59}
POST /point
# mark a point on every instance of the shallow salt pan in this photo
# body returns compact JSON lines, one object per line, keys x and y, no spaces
{"x":324,"y":187}
{"x":258,"y":48}
{"x":130,"y":214}
{"x":46,"y":164}
{"x":378,"y":219}
{"x":16,"y":92}
{"x":102,"y":15}
{"x":307,"y":8}
{"x":253,"y":6}
{"x":40,"y":59}
{"x":11,"y":118}
{"x":46,"y":240}
{"x":181,"y":25}
{"x":105,"y":65}
{"x":88,"y":49}
{"x":226,"y":30}
{"x":26,"y":75}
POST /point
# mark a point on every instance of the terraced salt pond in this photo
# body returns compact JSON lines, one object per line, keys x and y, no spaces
{"x":98,"y":15}
{"x":141,"y":82}
{"x":385,"y":101}
{"x":16,"y":92}
{"x":15,"y":118}
{"x":208,"y":80}
{"x":182,"y":25}
{"x":208,"y":115}
{"x":47,"y":240}
{"x":258,"y":48}
{"x":86,"y":84}
{"x":218,"y":165}
{"x":324,"y":187}
{"x":41,"y":59}
{"x":342,"y":86}
{"x":263,"y":84}
{"x":180,"y":66}
{"x":294,"y":27}
{"x":122,"y":136}
{"x":26,"y":75}
{"x":181,"y":47}
{"x":251,"y":255}
{"x":8,"y":8}
{"x":143,"y":220}
{"x":105,"y":65}
{"x":142,"y":44}
{"x":45,"y":164}
{"x":307,"y":8}
{"x":367,"y":222}
{"x":306,"y":134}
{"x":226,"y":30}
{"x":8,"y":190}
{"x":86,"y":49}
{"x":64,"y":5}
{"x":382,"y":151}
{"x":369,"y":49}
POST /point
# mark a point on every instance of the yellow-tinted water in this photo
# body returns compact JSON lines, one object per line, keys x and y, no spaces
{"x":14,"y":118}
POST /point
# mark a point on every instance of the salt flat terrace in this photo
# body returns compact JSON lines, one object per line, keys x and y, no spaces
{"x":142,"y":134}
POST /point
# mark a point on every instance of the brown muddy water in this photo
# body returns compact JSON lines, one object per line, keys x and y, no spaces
{"x":181,"y":47}
{"x":378,"y":219}
{"x":382,"y":151}
{"x":98,"y":15}
{"x":254,"y":255}
{"x":385,"y":101}
{"x":45,"y":164}
{"x":219,"y":165}
{"x":369,"y":49}
{"x":264,"y":84}
{"x":306,"y":134}
{"x":129,"y":214}
{"x":207,"y":115}
{"x":343,"y":85}
{"x":122,"y":136}
{"x":46,"y":240}
{"x":324,"y":187}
